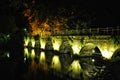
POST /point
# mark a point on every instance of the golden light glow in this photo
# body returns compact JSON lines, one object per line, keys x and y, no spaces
{"x":26,"y":52}
{"x":107,"y":49}
{"x":56,"y":63}
{"x":45,"y":27}
{"x":58,"y":25}
{"x":42,"y":58}
{"x":42,"y":42}
{"x":107,"y":54}
{"x":75,"y":67}
{"x":33,"y":42}
{"x":26,"y":40}
{"x":56,"y":43}
{"x":39,"y":27}
{"x":76,"y":46}
{"x":32,"y":53}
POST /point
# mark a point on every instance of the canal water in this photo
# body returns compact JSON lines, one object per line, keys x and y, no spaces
{"x":55,"y":59}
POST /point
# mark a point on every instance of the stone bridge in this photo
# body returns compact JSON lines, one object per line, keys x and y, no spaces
{"x":57,"y":50}
{"x":105,"y":43}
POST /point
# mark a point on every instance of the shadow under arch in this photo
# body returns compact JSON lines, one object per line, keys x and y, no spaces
{"x":116,"y":55}
{"x":90,"y":64}
{"x":89,"y":49}
{"x":113,"y":69}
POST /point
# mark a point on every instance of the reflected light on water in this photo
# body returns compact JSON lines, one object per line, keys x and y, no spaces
{"x":56,"y":63}
{"x":75,"y":67}
{"x":26,"y":52}
{"x":8,"y":55}
{"x":32,"y":53}
{"x":42,"y":58}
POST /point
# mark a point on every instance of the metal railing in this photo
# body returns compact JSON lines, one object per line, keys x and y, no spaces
{"x":90,"y":31}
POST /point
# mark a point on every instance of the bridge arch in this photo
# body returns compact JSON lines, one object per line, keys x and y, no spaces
{"x":116,"y":55}
{"x":88,"y":64}
{"x":88,"y":49}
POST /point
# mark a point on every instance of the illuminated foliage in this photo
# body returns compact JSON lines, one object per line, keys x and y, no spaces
{"x":116,"y":39}
{"x":42,"y":27}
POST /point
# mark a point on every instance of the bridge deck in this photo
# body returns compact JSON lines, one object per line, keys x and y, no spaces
{"x":98,"y":31}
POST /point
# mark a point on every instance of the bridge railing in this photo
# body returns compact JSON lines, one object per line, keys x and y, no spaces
{"x":90,"y":31}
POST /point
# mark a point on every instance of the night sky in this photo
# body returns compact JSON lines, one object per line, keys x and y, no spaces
{"x":101,"y":13}
{"x":104,"y":11}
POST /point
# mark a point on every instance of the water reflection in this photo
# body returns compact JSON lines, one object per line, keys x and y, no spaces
{"x":53,"y":53}
{"x":49,"y":58}
{"x":42,"y":58}
{"x":56,"y":63}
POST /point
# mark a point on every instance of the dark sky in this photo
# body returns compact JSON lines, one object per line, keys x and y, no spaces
{"x":105,"y":12}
